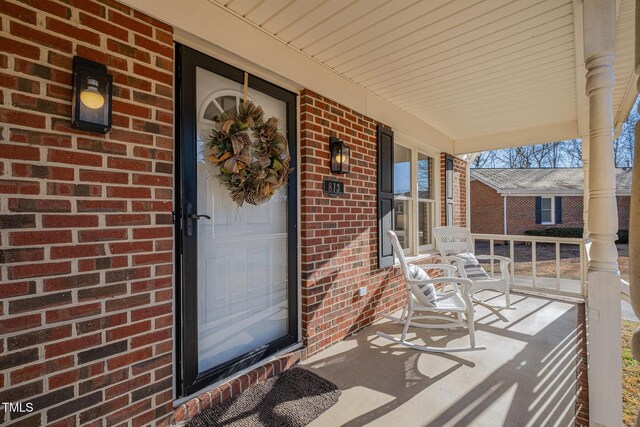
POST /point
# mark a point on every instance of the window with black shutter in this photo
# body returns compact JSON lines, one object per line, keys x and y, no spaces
{"x":385,"y":195}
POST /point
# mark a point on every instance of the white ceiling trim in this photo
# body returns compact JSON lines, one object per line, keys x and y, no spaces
{"x":518,"y":138}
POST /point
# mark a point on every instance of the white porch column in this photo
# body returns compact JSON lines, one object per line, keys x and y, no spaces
{"x":604,"y":342}
{"x":634,"y":218}
{"x":585,"y":194}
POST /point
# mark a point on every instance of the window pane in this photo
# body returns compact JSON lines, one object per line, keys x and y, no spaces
{"x":546,"y":215}
{"x":228,"y":103}
{"x":425,"y":176}
{"x":546,"y":203}
{"x":425,"y":215}
{"x":401,"y":171}
{"x":401,"y":210}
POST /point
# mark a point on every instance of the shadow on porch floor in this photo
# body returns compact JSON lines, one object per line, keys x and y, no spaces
{"x":526,"y":377}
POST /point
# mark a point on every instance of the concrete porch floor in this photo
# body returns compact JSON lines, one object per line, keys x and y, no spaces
{"x":526,"y":377}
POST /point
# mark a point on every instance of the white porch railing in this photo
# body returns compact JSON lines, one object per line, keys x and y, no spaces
{"x":572,"y":284}
{"x":625,"y":290}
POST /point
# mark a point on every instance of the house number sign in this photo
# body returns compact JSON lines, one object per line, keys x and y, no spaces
{"x":333,"y":187}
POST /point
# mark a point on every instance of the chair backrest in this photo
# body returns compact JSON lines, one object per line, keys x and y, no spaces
{"x":453,"y":240}
{"x":397,"y":249}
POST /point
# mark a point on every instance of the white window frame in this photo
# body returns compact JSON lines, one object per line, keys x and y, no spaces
{"x":413,"y":248}
{"x":552,"y":207}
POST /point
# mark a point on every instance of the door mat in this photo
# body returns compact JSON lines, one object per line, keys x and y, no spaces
{"x":292,"y":399}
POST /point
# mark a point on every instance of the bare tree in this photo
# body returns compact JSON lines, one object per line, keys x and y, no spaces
{"x":560,"y":154}
{"x":624,"y":144}
{"x":557,"y":154}
{"x":486,"y":159}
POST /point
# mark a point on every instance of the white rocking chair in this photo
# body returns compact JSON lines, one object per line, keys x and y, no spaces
{"x":448,"y":306}
{"x":456,"y":247}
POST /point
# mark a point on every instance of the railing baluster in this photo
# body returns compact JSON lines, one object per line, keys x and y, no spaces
{"x":534,"y":240}
{"x":558,"y":266}
{"x":491,"y":253}
{"x":513,"y":258}
{"x":533,"y":262}
{"x":583,"y":284}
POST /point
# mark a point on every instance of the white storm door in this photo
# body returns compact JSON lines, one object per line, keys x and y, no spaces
{"x":237,"y":293}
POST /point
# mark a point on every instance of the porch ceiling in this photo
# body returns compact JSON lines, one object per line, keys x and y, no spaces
{"x":476,"y":70}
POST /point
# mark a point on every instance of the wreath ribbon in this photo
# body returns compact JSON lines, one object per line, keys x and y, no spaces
{"x":252,"y":156}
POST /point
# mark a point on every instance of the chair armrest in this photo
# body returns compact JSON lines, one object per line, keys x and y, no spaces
{"x":453,"y":258}
{"x":497,"y":257}
{"x":450,"y":269}
{"x":459,"y":263}
{"x":465,"y":284}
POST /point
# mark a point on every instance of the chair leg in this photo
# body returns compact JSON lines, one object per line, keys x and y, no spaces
{"x":471,"y":326}
{"x":506,"y":296}
{"x":404,"y":312}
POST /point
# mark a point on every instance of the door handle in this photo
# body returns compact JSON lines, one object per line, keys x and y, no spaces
{"x":196,"y":217}
{"x":191,"y":217}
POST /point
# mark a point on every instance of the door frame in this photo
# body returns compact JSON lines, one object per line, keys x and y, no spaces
{"x":188,"y":379}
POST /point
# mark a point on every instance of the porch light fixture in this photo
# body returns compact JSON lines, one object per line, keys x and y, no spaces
{"x":91,"y":104}
{"x":340,"y":156}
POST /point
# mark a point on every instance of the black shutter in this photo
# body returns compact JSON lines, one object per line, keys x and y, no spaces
{"x":385,"y":195}
{"x":558,"y":210}
{"x":538,"y":210}
{"x":448,"y":180}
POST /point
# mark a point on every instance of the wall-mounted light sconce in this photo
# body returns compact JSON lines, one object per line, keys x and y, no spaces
{"x":91,"y":104}
{"x":340,"y":156}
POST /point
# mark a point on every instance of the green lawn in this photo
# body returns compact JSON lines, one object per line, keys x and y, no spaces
{"x":630,"y":376}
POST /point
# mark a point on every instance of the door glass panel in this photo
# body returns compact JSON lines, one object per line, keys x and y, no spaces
{"x":242,"y":252}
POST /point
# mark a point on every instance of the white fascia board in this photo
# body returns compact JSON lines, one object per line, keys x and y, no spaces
{"x":543,"y":193}
{"x":547,"y":193}
{"x":518,"y":138}
{"x":217,"y":25}
{"x":626,"y":104}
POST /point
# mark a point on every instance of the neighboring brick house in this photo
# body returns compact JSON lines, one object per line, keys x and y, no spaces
{"x":512,"y":201}
{"x":92,"y":283}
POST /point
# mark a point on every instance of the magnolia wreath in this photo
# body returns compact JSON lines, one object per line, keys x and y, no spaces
{"x":251,"y":155}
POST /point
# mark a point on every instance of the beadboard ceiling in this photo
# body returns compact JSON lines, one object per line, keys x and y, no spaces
{"x":466,"y":67}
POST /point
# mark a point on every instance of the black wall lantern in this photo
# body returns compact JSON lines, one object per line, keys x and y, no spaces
{"x":340,"y":156}
{"x":91,"y":105}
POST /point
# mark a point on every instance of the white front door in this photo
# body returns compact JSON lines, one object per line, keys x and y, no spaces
{"x":238,"y":291}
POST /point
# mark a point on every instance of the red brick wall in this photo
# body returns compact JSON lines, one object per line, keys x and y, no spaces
{"x":85,"y":219}
{"x":339,"y":235}
{"x":624,"y":209}
{"x":521,"y":214}
{"x":487,"y":213}
{"x":459,"y":191}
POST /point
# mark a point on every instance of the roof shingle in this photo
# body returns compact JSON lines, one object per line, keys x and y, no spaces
{"x":545,"y":180}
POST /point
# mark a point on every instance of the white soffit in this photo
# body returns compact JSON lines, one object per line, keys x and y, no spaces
{"x":466,"y":67}
{"x":469,"y":68}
